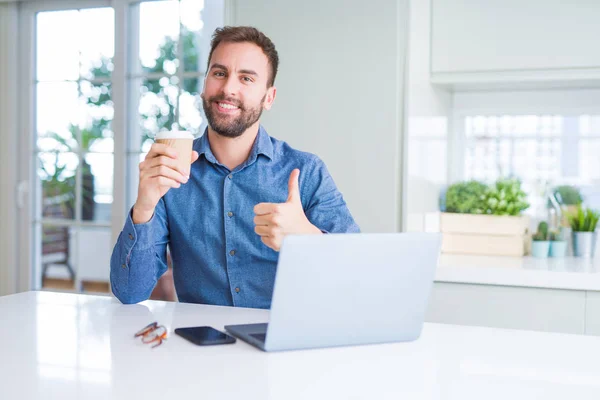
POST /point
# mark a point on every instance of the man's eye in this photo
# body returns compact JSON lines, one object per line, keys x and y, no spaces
{"x":219,"y":73}
{"x":247,"y":79}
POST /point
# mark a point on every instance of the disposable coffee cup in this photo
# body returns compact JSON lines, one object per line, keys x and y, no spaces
{"x":182,"y":142}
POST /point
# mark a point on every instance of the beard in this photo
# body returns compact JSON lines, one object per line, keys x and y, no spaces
{"x":227,"y":125}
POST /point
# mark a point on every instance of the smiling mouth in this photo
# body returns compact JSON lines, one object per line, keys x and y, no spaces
{"x":226,"y":106}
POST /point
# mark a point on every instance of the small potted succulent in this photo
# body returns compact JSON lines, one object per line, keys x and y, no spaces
{"x":540,"y":247}
{"x":558,"y":245}
{"x":583,"y":223}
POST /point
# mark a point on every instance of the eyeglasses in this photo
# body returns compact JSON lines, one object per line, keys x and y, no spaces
{"x":152,"y":333}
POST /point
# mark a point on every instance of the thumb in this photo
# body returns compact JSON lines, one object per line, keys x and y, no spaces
{"x":293,"y":188}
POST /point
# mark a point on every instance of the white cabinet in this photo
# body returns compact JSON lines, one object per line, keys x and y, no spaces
{"x":592,"y":314}
{"x":549,"y":310}
{"x":518,"y":41}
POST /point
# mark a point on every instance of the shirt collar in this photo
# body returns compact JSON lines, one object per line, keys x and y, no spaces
{"x":262,"y":145}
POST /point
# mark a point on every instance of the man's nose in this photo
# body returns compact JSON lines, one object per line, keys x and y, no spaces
{"x":231,"y":86}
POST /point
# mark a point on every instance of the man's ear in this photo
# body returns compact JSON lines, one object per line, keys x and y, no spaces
{"x":270,"y":97}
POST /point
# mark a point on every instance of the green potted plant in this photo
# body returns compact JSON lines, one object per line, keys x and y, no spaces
{"x":540,"y":247}
{"x":485,"y":219}
{"x":558,"y":245}
{"x":505,"y":197}
{"x":466,"y":197}
{"x":583,"y":223}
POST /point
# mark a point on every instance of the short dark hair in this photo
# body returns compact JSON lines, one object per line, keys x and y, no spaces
{"x":241,"y":34}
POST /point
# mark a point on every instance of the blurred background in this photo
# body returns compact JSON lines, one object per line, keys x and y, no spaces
{"x":400,"y":98}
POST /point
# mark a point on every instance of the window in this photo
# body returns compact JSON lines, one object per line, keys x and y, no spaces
{"x":76,"y":145}
{"x":545,"y":139}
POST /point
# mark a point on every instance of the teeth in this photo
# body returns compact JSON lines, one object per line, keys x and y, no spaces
{"x":227,"y":106}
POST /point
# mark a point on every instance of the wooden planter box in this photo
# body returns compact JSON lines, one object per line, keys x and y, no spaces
{"x":484,"y":234}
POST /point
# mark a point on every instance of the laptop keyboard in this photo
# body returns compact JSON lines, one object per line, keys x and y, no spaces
{"x":260,"y":336}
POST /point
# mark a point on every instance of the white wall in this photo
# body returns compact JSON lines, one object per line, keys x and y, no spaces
{"x":8,"y":149}
{"x":429,"y":124}
{"x":340,"y":93}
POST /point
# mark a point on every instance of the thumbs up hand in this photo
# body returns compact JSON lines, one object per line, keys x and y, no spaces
{"x":275,"y":220}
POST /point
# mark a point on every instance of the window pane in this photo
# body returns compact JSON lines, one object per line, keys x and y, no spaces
{"x":97,"y":173}
{"x":157,"y":106}
{"x":159,"y":36}
{"x":192,"y":34}
{"x":527,"y":147}
{"x":589,"y":161}
{"x":191,"y":116}
{"x":57,"y":108}
{"x":97,"y":42}
{"x":590,"y":125}
{"x":57,"y":39}
{"x":97,"y":111}
{"x":57,"y":174}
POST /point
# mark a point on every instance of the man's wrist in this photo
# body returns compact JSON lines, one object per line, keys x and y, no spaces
{"x":314,"y":230}
{"x":141,"y":216}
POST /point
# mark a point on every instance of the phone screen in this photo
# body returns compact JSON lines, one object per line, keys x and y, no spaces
{"x":204,"y":335}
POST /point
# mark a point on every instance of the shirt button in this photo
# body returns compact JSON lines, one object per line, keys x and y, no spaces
{"x":237,"y":289}
{"x":230,"y":176}
{"x":123,"y":266}
{"x":230,"y":214}
{"x":130,"y":236}
{"x":232,"y":253}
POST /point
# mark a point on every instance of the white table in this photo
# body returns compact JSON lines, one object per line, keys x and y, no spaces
{"x":66,"y":346}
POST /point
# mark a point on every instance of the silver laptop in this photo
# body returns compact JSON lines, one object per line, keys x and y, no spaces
{"x":347,"y":289}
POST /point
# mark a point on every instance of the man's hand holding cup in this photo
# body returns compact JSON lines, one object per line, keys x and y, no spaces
{"x":166,"y":166}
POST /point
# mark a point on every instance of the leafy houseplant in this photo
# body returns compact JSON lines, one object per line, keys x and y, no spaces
{"x":504,"y":197}
{"x":583,"y":223}
{"x":466,"y":197}
{"x":584,"y":220}
{"x":541,"y":245}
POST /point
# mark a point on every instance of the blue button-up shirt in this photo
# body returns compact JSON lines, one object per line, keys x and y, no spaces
{"x":208,"y":225}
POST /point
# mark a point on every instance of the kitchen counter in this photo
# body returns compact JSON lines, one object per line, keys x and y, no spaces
{"x":569,"y":273}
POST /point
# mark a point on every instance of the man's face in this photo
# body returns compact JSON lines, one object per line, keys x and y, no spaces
{"x":235,"y":88}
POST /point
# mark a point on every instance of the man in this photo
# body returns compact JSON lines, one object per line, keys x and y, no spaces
{"x":224,"y":219}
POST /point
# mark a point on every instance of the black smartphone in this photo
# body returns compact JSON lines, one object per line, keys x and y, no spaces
{"x":204,"y":335}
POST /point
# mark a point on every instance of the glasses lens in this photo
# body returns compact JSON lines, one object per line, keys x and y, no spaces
{"x":148,"y":328}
